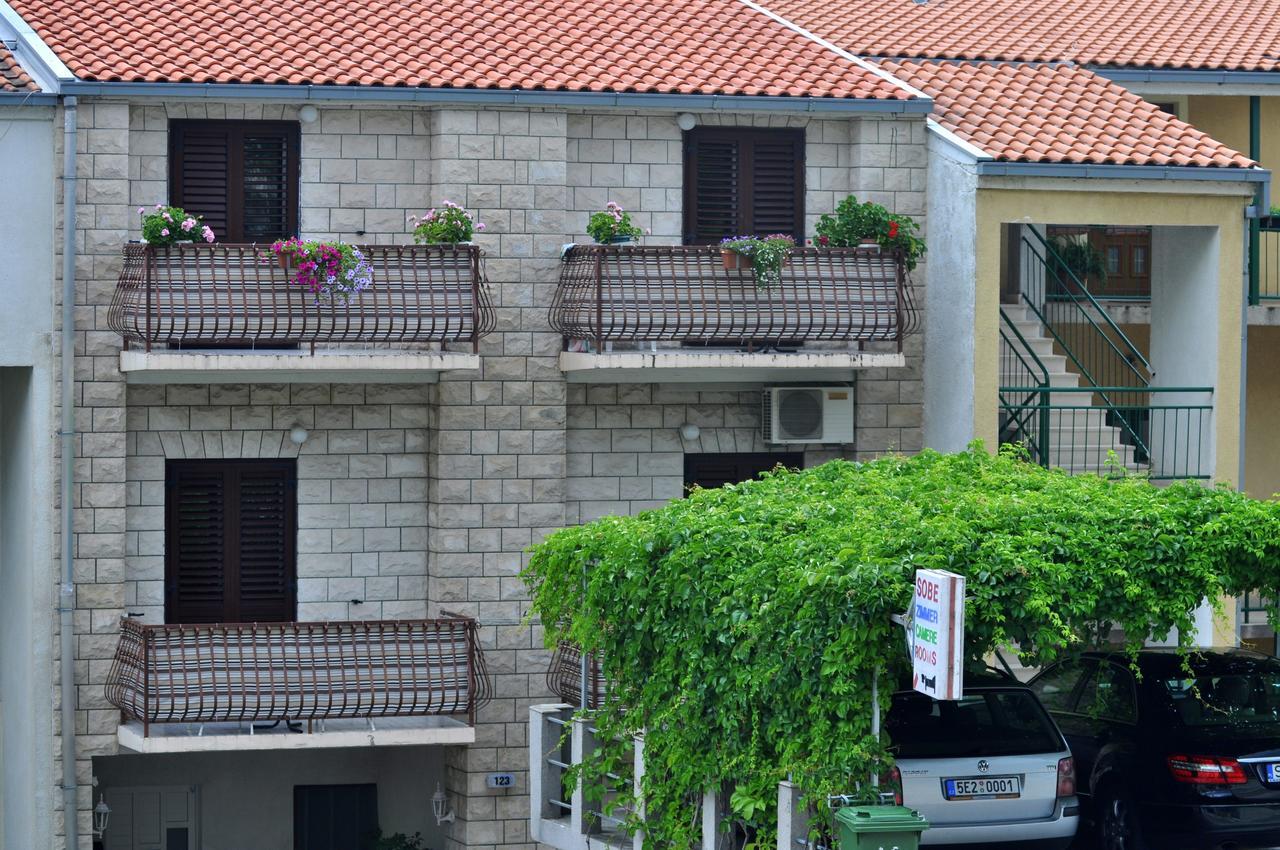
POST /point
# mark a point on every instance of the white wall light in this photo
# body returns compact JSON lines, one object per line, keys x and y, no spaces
{"x":686,"y":121}
{"x":689,"y":431}
{"x":308,"y":114}
{"x":298,"y":435}
{"x":440,"y":807}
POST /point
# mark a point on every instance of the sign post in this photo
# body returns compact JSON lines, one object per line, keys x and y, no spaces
{"x":937,"y":634}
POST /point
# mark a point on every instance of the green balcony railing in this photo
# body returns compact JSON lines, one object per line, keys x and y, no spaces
{"x":1264,"y":278}
{"x":1162,"y":432}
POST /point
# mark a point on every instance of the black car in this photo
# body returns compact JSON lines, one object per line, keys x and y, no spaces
{"x":1167,"y":760}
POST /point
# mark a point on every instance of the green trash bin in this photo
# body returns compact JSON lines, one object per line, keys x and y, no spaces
{"x":879,"y":828}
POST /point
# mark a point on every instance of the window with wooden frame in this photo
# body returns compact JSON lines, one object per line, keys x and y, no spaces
{"x":740,"y":181}
{"x":230,"y":552}
{"x":242,"y":176}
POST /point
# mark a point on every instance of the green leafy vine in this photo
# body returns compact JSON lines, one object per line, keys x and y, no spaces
{"x":740,"y":626}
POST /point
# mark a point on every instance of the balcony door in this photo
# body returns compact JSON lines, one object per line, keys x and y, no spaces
{"x":740,"y":181}
{"x":242,"y":176}
{"x":230,"y":541}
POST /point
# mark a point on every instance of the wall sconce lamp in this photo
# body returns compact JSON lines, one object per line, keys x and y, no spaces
{"x":686,"y":121}
{"x":689,"y":431}
{"x":440,"y":807}
{"x":298,"y":435}
{"x":101,"y":814}
{"x":308,"y":114}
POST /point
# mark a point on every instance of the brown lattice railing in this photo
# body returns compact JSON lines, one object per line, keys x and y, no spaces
{"x":564,"y":676}
{"x":297,"y":671}
{"x":619,"y":293}
{"x":228,"y":296}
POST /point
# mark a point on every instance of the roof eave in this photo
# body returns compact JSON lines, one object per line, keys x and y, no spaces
{"x":1262,"y":176}
{"x":511,"y":97}
{"x":33,"y":54}
{"x":1187,"y":75}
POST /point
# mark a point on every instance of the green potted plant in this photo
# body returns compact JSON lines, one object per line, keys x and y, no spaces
{"x":869,"y":224}
{"x":765,"y":254}
{"x":613,"y":225}
{"x":399,"y":841}
{"x":1068,"y":257}
{"x":166,"y":225}
{"x":448,"y":225}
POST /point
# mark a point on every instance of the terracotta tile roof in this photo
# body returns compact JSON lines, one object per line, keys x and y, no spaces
{"x":12,"y":77}
{"x":1218,"y":34}
{"x":1059,"y":114}
{"x":701,"y":47}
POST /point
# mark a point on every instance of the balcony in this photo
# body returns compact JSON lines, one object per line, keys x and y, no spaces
{"x":252,"y":686}
{"x":643,"y":314}
{"x":227,"y":313}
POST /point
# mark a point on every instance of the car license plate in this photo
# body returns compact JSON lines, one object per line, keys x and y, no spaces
{"x":985,"y":787}
{"x":1273,"y":772}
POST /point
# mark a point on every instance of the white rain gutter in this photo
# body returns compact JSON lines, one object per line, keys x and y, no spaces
{"x":67,"y":433}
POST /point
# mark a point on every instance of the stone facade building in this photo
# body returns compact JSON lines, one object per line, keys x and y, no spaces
{"x":409,"y":479}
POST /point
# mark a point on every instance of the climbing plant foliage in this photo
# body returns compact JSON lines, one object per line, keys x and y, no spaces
{"x":740,"y":626}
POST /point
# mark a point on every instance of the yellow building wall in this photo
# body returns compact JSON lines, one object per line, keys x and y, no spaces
{"x":997,"y":206}
{"x":1227,"y":120}
{"x":1262,"y":416}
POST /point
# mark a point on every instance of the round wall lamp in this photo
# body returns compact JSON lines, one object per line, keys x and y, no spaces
{"x":689,"y":431}
{"x":308,"y":114}
{"x":686,"y":121}
{"x":298,"y":435}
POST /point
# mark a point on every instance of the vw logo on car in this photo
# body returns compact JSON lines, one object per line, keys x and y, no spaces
{"x":983,"y":767}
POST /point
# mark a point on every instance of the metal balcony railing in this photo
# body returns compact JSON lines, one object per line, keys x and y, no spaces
{"x":228,"y":296}
{"x":240,"y":672}
{"x":1265,"y":276}
{"x":620,"y":293}
{"x":565,"y":676}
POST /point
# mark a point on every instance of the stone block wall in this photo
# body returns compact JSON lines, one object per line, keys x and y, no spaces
{"x":491,"y":461}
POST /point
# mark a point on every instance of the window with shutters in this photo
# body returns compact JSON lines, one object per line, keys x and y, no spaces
{"x":242,"y":176}
{"x":230,"y":541}
{"x":742,"y":181}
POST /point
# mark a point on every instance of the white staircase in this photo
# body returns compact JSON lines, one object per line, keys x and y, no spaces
{"x":1078,"y":439}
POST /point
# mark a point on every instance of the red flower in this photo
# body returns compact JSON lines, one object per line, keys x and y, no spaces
{"x":893,"y":230}
{"x":823,"y":240}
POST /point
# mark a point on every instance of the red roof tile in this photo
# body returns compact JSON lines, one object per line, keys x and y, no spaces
{"x":1218,"y":34}
{"x":12,"y":77}
{"x":702,"y":47}
{"x":1058,"y":113}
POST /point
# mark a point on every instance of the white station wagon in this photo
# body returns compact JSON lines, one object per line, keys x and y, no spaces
{"x":988,"y":769}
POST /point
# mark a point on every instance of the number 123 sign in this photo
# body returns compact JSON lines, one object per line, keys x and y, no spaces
{"x":937,"y":634}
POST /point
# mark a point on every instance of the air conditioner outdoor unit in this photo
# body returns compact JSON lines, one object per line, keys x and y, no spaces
{"x":808,"y":415}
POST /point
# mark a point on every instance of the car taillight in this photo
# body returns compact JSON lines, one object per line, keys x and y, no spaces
{"x":1066,"y":778}
{"x":1206,"y":770}
{"x":892,"y":781}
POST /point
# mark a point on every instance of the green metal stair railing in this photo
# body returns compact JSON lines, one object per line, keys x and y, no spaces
{"x":1106,"y":359}
{"x":1023,"y":378}
{"x":1164,"y":429}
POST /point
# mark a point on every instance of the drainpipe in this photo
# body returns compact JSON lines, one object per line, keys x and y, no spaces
{"x":67,"y":590}
{"x":1254,"y":260}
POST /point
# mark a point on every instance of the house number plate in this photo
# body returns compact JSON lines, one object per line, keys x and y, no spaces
{"x":500,"y":780}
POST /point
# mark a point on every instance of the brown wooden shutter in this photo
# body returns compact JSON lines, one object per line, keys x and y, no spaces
{"x":242,"y":176}
{"x":740,"y":181}
{"x":195,"y":543}
{"x":777,"y":184}
{"x":230,"y":541}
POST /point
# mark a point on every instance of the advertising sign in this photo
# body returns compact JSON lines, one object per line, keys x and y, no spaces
{"x":937,"y":634}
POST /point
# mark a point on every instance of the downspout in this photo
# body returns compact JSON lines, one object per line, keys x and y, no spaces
{"x":1254,"y":286}
{"x":67,"y":433}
